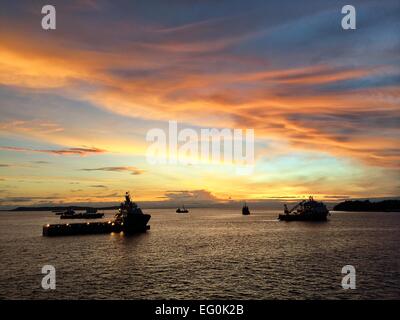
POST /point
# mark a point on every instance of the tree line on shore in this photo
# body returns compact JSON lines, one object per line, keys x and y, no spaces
{"x":366,"y":205}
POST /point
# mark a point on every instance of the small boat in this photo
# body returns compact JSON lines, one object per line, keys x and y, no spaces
{"x":182,"y":210}
{"x":245,"y":210}
{"x":306,"y":210}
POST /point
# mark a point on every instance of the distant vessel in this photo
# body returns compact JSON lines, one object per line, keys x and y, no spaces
{"x":91,"y":213}
{"x":245,"y":210}
{"x":182,"y":210}
{"x":69,"y":211}
{"x":306,"y":210}
{"x":129,"y":219}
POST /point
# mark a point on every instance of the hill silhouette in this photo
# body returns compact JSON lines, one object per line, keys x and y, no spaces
{"x":366,"y":205}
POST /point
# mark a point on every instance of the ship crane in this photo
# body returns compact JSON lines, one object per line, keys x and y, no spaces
{"x":287,"y":211}
{"x":307,"y":210}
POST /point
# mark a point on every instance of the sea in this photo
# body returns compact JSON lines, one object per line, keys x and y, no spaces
{"x":205,"y":254}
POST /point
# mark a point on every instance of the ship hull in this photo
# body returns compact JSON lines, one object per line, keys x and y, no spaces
{"x":136,"y":223}
{"x":304,"y":217}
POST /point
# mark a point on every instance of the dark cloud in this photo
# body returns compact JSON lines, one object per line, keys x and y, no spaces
{"x":81,"y":151}
{"x":108,"y":195}
{"x":28,"y":199}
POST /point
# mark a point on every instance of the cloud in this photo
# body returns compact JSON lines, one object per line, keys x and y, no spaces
{"x":192,"y":195}
{"x":295,"y":77}
{"x":31,"y":126}
{"x":81,"y":151}
{"x":55,"y":198}
{"x":28,"y":199}
{"x":131,"y":169}
{"x":98,"y":186}
{"x":3,"y":165}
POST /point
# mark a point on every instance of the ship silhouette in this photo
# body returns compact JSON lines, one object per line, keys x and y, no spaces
{"x":182,"y":210}
{"x":245,"y":210}
{"x":306,"y":210}
{"x":128,"y":219}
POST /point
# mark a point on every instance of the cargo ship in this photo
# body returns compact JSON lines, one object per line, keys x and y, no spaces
{"x":306,"y":210}
{"x":129,"y":219}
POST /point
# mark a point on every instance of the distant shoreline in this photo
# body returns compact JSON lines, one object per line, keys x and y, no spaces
{"x":368,"y":206}
{"x":78,"y":208}
{"x":348,"y":205}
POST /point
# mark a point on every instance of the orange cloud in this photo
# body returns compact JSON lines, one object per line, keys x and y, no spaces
{"x":132,"y":170}
{"x":166,"y":81}
{"x":32,"y":126}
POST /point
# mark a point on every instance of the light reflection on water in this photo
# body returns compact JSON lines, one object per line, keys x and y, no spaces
{"x":207,"y":254}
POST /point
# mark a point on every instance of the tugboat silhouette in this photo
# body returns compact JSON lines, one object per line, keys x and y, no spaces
{"x":182,"y":210}
{"x":245,"y":210}
{"x":129,"y":219}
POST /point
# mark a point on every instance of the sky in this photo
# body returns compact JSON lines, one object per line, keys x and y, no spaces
{"x":76,"y":103}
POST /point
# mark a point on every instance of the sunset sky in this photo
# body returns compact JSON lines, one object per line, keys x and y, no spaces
{"x":76,"y":102}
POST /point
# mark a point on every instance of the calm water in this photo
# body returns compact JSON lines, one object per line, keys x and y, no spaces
{"x":206,"y":254}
